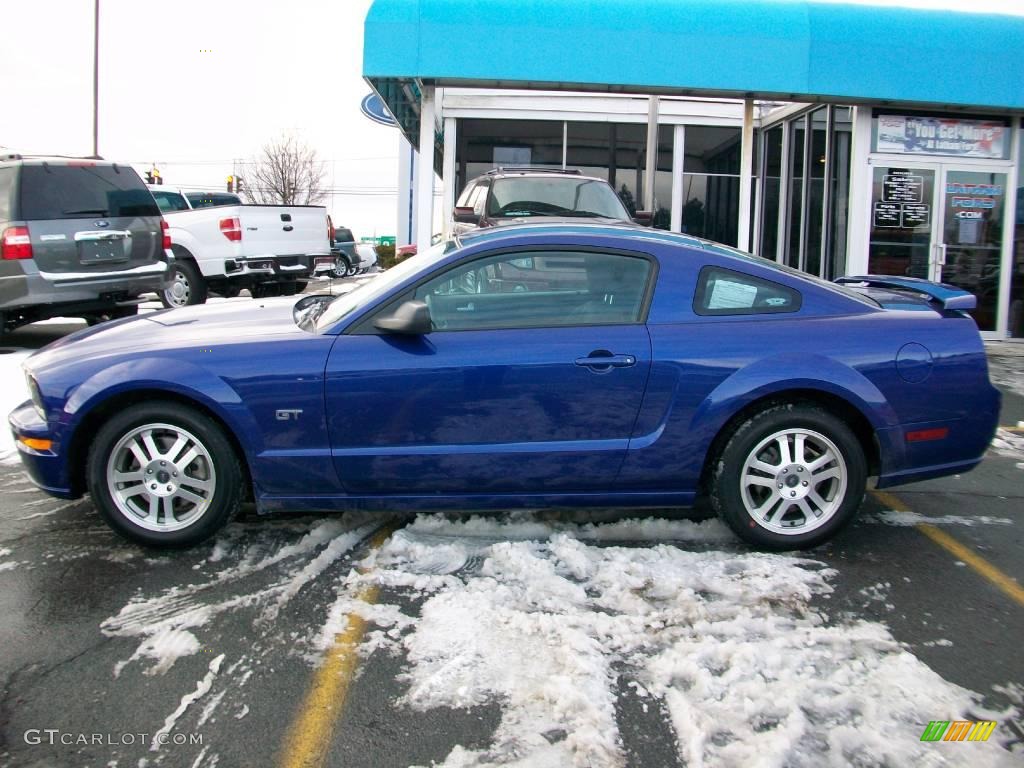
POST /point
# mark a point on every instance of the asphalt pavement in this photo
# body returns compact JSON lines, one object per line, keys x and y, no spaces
{"x":382,"y":640}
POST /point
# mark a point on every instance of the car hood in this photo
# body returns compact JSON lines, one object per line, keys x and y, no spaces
{"x":199,"y":326}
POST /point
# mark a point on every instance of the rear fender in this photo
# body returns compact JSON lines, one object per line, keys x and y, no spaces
{"x":774,"y":376}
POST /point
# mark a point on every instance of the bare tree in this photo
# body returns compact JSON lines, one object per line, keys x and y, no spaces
{"x":286,"y":172}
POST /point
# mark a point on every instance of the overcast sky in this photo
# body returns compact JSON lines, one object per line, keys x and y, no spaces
{"x":192,"y":85}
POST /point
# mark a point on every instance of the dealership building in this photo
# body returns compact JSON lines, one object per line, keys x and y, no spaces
{"x":837,"y":139}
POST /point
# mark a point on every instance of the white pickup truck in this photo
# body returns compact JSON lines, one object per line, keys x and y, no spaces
{"x":222,"y":246}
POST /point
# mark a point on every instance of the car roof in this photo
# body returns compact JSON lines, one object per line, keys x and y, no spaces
{"x":56,"y":160}
{"x":554,"y":173}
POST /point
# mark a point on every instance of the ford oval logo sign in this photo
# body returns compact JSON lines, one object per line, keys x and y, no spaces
{"x":373,"y":107}
{"x":101,"y":224}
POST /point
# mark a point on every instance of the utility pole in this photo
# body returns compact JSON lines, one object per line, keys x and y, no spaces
{"x":96,"y":81}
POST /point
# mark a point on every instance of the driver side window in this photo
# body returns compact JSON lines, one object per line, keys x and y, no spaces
{"x":539,"y":289}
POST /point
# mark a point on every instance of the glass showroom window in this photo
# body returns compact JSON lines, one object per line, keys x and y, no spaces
{"x":771,"y":152}
{"x":486,"y":144}
{"x":711,"y":183}
{"x":1016,"y":325}
{"x":806,"y":173}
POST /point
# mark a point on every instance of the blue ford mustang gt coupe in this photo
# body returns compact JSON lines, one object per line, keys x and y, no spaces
{"x":536,"y":366}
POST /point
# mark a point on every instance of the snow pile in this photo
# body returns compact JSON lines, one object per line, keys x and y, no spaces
{"x":552,"y":627}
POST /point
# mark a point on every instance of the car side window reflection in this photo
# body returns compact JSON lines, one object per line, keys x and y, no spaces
{"x":538,"y":289}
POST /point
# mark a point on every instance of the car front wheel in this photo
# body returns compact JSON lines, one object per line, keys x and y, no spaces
{"x":790,"y":477}
{"x":163,"y":475}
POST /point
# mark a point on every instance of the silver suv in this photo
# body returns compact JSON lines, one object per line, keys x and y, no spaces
{"x":78,"y":238}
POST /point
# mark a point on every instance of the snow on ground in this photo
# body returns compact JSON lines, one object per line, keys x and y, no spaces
{"x":1009,"y":444}
{"x":1006,"y":365}
{"x":258,"y":572}
{"x":549,"y":622}
{"x":906,"y":518}
{"x":13,"y":392}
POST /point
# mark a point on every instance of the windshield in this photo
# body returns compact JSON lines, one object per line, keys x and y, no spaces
{"x":554,"y":196}
{"x":380,"y":285}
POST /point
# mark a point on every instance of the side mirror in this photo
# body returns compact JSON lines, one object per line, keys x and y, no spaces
{"x":465,"y":215}
{"x":309,"y":308}
{"x":412,"y":318}
{"x":644,"y":217}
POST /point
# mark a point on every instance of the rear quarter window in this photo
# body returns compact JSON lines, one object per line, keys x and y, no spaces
{"x":723,"y":291}
{"x":7,"y":176}
{"x":83,"y":191}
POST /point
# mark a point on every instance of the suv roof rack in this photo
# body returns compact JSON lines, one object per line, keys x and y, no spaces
{"x":531,"y":169}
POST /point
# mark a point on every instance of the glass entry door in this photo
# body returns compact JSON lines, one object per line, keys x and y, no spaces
{"x":941,"y":222}
{"x":970,"y":250}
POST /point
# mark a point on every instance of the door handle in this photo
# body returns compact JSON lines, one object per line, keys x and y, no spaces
{"x":940,"y":254}
{"x":603,"y":363}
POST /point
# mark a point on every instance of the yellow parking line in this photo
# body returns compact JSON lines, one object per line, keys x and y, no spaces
{"x":976,"y":562}
{"x":309,"y":737}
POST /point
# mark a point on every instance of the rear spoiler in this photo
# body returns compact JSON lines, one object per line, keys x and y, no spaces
{"x":949,"y":296}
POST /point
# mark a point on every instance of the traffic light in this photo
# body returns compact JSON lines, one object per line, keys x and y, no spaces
{"x":157,"y":176}
{"x":238,"y":184}
{"x":231,"y":183}
{"x":149,"y":177}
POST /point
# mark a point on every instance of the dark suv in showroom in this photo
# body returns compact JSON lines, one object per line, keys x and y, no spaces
{"x":514,"y":195}
{"x":78,"y":238}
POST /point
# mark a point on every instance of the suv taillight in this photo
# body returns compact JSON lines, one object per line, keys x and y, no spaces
{"x":16,"y":244}
{"x":231,"y":229}
{"x":165,"y":230}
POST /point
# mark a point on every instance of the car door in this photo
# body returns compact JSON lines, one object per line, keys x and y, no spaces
{"x":526,"y":387}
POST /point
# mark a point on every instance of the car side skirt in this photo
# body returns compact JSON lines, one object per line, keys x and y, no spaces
{"x":266,"y":504}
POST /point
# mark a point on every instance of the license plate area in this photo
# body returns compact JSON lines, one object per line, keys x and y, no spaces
{"x":102,"y":251}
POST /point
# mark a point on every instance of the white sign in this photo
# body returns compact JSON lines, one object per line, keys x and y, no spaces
{"x":908,"y":135}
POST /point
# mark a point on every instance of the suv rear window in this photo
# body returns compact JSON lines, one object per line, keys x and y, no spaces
{"x":342,"y":235}
{"x":83,"y":191}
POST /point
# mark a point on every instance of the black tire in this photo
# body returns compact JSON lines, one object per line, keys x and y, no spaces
{"x":729,"y":498}
{"x":222,"y":500}
{"x":341,"y":267}
{"x":351,"y":270}
{"x":191,"y":283}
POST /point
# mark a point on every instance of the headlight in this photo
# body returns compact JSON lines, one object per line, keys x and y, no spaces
{"x":37,"y":398}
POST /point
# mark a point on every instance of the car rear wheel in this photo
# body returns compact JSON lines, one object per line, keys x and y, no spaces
{"x":163,"y":475}
{"x":187,"y":288}
{"x":790,"y":477}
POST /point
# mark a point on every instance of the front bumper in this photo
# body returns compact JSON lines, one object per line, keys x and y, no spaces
{"x":47,"y":469}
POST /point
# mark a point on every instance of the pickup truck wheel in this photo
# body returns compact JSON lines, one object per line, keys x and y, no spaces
{"x":164,"y":475}
{"x":790,"y":477}
{"x":351,"y":270}
{"x":188,"y":286}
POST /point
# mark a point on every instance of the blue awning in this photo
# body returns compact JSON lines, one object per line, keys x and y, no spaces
{"x":795,"y":50}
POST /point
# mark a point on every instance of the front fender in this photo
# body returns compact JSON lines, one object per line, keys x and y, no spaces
{"x":151,"y":373}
